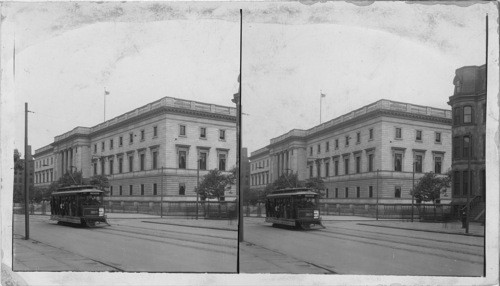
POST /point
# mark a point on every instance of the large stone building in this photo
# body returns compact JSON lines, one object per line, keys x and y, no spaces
{"x":468,"y":103}
{"x":364,"y":155}
{"x":149,"y":152}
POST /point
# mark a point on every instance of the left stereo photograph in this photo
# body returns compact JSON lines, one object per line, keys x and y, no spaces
{"x":125,"y":127}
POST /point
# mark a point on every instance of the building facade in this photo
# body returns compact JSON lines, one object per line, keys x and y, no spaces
{"x":151,"y":153}
{"x":374,"y":153}
{"x":259,"y":169}
{"x":19,"y":179}
{"x":468,"y":104}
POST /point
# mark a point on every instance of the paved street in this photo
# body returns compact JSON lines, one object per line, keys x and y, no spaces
{"x":356,"y":247}
{"x":129,"y":244}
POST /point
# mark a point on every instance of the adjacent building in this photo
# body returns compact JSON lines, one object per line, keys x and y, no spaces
{"x":468,"y":103}
{"x":150,"y":153}
{"x":19,"y":176}
{"x":374,"y":153}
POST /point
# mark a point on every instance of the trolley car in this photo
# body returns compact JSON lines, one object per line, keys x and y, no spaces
{"x":296,"y":207}
{"x":78,"y":205}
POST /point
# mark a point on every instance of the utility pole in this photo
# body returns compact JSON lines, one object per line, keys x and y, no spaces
{"x":237,"y":100}
{"x":161,"y":196}
{"x":26,"y":192}
{"x":197,"y":186}
{"x":469,"y":154}
{"x":413,"y":190}
{"x":377,"y":197}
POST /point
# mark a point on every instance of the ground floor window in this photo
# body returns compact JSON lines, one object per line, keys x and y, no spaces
{"x":346,"y":192}
{"x":121,"y":190}
{"x":142,"y":189}
{"x":336,"y":192}
{"x":111,"y":190}
{"x":182,"y":189}
{"x":155,"y":192}
{"x":397,"y":192}
{"x":370,"y":191}
{"x":131,"y":188}
{"x":358,"y":192}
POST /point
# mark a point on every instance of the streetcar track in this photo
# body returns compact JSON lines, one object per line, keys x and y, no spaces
{"x":402,"y":248}
{"x":300,"y":260}
{"x":110,"y":231}
{"x":173,"y":231}
{"x":380,"y":237}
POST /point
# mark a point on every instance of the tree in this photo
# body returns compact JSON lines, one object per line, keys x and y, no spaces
{"x":431,"y":186}
{"x":215,"y":183}
{"x":99,"y":181}
{"x":18,"y":162}
{"x":70,"y":179}
{"x":315,"y":184}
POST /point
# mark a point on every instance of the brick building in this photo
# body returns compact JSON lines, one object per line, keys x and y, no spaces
{"x":148,"y":152}
{"x":468,"y":103}
{"x":19,"y":174}
{"x":363,"y":155}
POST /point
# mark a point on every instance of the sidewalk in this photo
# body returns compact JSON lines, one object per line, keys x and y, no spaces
{"x":256,"y":259}
{"x":31,"y":255}
{"x":475,"y":229}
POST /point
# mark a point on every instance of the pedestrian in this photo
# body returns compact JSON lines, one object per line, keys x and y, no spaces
{"x":463,"y":215}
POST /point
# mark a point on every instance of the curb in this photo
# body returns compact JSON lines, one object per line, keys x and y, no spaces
{"x":177,"y":224}
{"x":424,"y":230}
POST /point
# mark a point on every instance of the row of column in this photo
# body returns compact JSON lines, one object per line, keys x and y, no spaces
{"x":67,"y":160}
{"x":283,"y":160}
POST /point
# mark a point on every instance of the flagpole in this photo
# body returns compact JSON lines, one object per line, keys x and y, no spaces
{"x":104,"y":104}
{"x":320,"y":104}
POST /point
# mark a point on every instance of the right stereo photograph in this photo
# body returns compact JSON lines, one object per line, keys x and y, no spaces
{"x":364,"y":139}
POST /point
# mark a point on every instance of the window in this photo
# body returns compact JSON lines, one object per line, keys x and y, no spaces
{"x":203,"y":132}
{"x":347,"y":141}
{"x":120,"y":165}
{"x":437,"y":164}
{"x":346,"y":192}
{"x":336,"y":166}
{"x":318,"y":170}
{"x":131,"y":138}
{"x":370,"y":191}
{"x":346,"y":166}
{"x":222,"y":134}
{"x":398,"y":133}
{"x":131,"y":163}
{"x":456,"y":147}
{"x":336,"y":143}
{"x":120,"y":141}
{"x":102,"y":146}
{"x":467,"y":114}
{"x":358,"y":192}
{"x":95,"y":168}
{"x":319,"y":148}
{"x":358,"y":164}
{"x":310,"y":151}
{"x":456,"y":116}
{"x":130,"y":190}
{"x":142,"y":161}
{"x":203,"y":161}
{"x":371,"y":134}
{"x":456,"y":184}
{"x":370,"y":163}
{"x":182,"y":189}
{"x":437,"y":137}
{"x":310,"y":171}
{"x":142,"y":135}
{"x":397,"y":192}
{"x":466,"y":147}
{"x":142,"y":189}
{"x":327,"y":169}
{"x":121,"y":190}
{"x":111,"y":144}
{"x":155,"y":131}
{"x":398,"y":162}
{"x":111,"y":166}
{"x":336,"y":192}
{"x":155,"y":160}
{"x":418,"y":163}
{"x":182,"y":159}
{"x":155,"y":189}
{"x":327,"y":147}
{"x":182,"y":130}
{"x":95,"y":148}
{"x":358,"y":137}
{"x":418,"y":135}
{"x":111,"y":190}
{"x":465,"y":184}
{"x":102,"y":167}
{"x":222,"y":162}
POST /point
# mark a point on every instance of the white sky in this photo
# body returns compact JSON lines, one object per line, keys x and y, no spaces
{"x":355,"y":54}
{"x":67,"y":53}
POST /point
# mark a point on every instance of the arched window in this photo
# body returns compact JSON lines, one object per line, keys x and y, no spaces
{"x":467,"y":114}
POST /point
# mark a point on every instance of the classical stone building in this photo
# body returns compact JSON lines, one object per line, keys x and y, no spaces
{"x":365,"y":155}
{"x":150,"y":152}
{"x":468,"y":103}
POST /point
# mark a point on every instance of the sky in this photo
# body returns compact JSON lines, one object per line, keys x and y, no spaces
{"x":66,"y":54}
{"x":355,"y":55}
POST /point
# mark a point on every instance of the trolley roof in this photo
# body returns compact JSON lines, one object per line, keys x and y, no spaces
{"x":292,"y":192}
{"x":77,"y":189}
